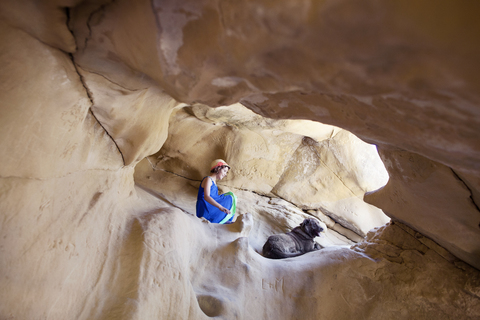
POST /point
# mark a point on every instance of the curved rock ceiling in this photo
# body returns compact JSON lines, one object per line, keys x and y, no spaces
{"x":379,"y":71}
{"x":89,"y":89}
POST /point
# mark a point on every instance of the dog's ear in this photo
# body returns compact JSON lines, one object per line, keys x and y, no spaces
{"x":304,"y":224}
{"x":307,"y":226}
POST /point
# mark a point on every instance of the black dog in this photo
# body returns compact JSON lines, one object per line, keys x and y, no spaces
{"x":293,"y":243}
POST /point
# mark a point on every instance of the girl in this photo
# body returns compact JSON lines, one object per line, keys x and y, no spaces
{"x":216,"y":208}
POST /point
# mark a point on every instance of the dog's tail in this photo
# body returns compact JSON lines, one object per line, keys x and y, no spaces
{"x":292,"y":254}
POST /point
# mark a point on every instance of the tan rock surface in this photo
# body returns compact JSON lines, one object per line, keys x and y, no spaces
{"x":65,"y":196}
{"x":336,"y":62}
{"x":270,"y":157}
{"x":80,"y":241}
{"x":136,"y":118}
{"x":381,"y":71}
{"x":433,"y":196}
{"x":211,"y":271}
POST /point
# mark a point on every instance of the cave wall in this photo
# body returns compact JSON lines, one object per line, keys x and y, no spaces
{"x":377,"y":70}
{"x":314,"y":166}
{"x":87,"y":90}
{"x":60,"y":172}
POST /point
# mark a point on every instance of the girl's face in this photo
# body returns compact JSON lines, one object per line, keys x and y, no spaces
{"x":222,"y":173}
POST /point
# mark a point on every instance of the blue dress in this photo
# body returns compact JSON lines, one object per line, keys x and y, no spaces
{"x":209,"y":212}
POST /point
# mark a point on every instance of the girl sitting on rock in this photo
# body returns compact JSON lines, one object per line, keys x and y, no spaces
{"x":216,"y":208}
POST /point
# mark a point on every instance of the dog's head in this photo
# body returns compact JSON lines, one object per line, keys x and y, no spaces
{"x":311,"y":227}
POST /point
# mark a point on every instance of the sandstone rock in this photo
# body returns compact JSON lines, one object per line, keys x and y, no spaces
{"x":420,"y":190}
{"x":378,"y":70}
{"x":79,"y":240}
{"x":136,"y":118}
{"x":45,"y":20}
{"x":45,"y":105}
{"x":229,"y":280}
{"x":332,"y":174}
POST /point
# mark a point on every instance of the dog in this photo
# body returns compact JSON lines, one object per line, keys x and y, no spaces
{"x":294,"y":243}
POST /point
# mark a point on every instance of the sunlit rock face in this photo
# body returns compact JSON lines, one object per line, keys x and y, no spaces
{"x":88,"y":90}
{"x":229,"y":280}
{"x":310,"y":165}
{"x":379,"y":70}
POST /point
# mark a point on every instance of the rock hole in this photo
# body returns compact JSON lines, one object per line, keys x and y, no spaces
{"x":210,"y":305}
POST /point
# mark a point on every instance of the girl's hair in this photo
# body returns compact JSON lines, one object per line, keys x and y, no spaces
{"x":217,"y":169}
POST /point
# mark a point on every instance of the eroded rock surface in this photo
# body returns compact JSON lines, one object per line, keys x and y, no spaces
{"x":311,"y":165}
{"x":87,"y":90}
{"x":211,"y":271}
{"x":378,"y":70}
